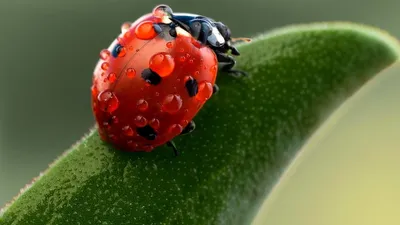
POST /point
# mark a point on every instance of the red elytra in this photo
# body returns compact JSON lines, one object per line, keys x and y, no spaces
{"x":123,"y":102}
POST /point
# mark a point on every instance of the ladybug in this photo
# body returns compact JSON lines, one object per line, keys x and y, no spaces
{"x":153,"y":79}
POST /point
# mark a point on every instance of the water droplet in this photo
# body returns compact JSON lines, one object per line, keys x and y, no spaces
{"x":140,"y":121}
{"x":162,"y":63}
{"x":172,"y":103}
{"x":94,"y":90}
{"x":191,"y":60}
{"x":181,"y":50}
{"x":182,"y":58}
{"x":205,"y":91}
{"x":142,"y":105}
{"x":112,"y":77}
{"x":175,"y":129}
{"x":125,"y":26}
{"x":147,"y":148}
{"x":184,"y":123}
{"x":145,"y":30}
{"x":105,"y":54}
{"x":108,"y":101}
{"x":154,"y":123}
{"x":105,"y":65}
{"x":121,"y":51}
{"x":214,"y":69}
{"x":197,"y":73}
{"x":114,"y":119}
{"x":132,"y":144}
{"x":161,"y":11}
{"x":130,"y":72}
{"x":128,"y":131}
{"x":112,"y":137}
{"x":106,"y":125}
{"x":157,"y":94}
{"x":169,"y":44}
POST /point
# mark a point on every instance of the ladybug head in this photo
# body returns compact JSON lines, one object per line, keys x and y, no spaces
{"x":223,"y":30}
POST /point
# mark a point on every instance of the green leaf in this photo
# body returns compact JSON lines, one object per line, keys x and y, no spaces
{"x":246,"y":136}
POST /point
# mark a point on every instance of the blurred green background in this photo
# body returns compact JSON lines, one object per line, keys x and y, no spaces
{"x":49,"y":49}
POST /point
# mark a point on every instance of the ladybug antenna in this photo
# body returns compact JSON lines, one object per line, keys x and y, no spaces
{"x":241,"y":39}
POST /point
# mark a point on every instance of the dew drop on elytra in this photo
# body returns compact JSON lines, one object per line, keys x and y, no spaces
{"x":205,"y":91}
{"x":128,"y":131}
{"x":104,"y":54}
{"x":145,"y":30}
{"x":154,"y":123}
{"x":105,"y":66}
{"x":130,"y":72}
{"x":162,"y":63}
{"x":108,"y":102}
{"x":175,"y":129}
{"x":172,"y":103}
{"x":140,"y":121}
{"x":142,"y":105}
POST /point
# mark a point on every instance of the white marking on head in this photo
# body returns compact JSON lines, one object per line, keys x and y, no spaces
{"x":216,"y":37}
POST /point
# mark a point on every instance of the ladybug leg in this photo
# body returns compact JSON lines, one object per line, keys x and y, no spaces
{"x":228,"y":64}
{"x":189,"y":128}
{"x":173,"y":146}
{"x":234,"y":50}
{"x":215,"y":89}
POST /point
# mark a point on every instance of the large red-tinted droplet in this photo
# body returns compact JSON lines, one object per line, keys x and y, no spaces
{"x":154,"y":123}
{"x":140,"y":121}
{"x":112,"y":77}
{"x":105,"y":65}
{"x":130,"y":72}
{"x":105,"y":54}
{"x":162,"y":63}
{"x":145,"y":30}
{"x":205,"y":91}
{"x":161,"y":11}
{"x":142,"y":105}
{"x":128,"y":131}
{"x":175,"y":129}
{"x":172,"y":104}
{"x":108,"y":102}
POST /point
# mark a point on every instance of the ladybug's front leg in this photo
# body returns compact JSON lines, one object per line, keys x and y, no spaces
{"x":173,"y":146}
{"x":228,"y":64}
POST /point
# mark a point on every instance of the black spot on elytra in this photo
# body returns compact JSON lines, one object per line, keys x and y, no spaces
{"x":189,"y":128}
{"x":117,"y":49}
{"x":151,"y":77}
{"x":147,"y":132}
{"x":192,"y":87}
